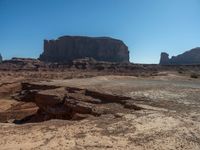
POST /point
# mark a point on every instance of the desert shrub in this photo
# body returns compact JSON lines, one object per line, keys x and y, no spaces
{"x":180,"y":71}
{"x":194,"y":75}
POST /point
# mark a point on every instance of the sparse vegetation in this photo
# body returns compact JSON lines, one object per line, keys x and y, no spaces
{"x":180,"y":71}
{"x":194,"y":75}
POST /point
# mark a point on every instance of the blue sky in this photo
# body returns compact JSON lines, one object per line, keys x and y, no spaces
{"x":148,"y":27}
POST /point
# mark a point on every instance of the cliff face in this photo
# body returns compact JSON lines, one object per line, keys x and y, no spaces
{"x":69,"y":48}
{"x":188,"y":58}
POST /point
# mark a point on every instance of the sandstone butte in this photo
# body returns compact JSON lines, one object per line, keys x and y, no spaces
{"x":191,"y":57}
{"x":69,"y":48}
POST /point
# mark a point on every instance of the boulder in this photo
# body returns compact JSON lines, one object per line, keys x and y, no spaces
{"x":191,"y":57}
{"x":69,"y":48}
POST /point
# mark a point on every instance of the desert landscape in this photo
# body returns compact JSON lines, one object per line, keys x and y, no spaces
{"x":99,"y":75}
{"x":89,"y":104}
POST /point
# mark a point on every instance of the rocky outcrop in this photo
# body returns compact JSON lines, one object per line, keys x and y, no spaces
{"x":83,"y":66}
{"x":22,"y":64}
{"x":1,"y":59}
{"x":164,"y":58}
{"x":69,"y":48}
{"x":69,"y":102}
{"x":191,"y":57}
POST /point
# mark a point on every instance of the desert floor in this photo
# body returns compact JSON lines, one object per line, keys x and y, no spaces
{"x":169,"y":118}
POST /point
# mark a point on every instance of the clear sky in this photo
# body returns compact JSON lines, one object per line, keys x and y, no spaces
{"x":148,"y":27}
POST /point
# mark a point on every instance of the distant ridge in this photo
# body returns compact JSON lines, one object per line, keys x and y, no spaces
{"x":191,"y":57}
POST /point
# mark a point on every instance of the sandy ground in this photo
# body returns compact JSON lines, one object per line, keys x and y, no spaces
{"x":169,"y":120}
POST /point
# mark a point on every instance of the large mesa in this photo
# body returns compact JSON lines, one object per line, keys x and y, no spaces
{"x":69,"y":48}
{"x":191,"y":57}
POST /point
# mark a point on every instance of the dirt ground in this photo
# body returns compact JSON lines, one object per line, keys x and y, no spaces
{"x":169,"y":118}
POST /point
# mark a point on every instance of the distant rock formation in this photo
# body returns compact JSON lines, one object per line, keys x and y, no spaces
{"x":22,"y":64}
{"x":1,"y":59}
{"x":191,"y":57}
{"x":164,"y":58}
{"x":86,"y":64}
{"x":69,"y":48}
